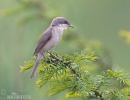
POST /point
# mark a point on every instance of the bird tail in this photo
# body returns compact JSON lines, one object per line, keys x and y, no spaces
{"x":38,"y":58}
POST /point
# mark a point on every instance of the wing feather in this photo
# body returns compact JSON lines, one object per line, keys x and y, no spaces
{"x":43,"y":40}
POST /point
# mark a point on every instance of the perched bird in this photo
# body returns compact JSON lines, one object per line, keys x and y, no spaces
{"x":50,"y":38}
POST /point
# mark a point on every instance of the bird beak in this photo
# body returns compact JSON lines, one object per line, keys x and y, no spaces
{"x":71,"y":26}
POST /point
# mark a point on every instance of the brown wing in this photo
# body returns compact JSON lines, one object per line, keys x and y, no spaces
{"x":43,"y":40}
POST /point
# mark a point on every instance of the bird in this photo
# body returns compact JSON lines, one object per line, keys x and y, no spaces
{"x":49,"y":39}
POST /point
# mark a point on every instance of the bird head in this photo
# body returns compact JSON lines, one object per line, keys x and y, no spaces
{"x":61,"y":22}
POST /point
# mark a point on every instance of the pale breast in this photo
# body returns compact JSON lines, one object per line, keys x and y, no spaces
{"x":55,"y":39}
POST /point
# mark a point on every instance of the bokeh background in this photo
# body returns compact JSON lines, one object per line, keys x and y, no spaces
{"x":99,"y":25}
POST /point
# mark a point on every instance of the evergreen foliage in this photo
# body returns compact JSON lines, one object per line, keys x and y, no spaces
{"x":72,"y":73}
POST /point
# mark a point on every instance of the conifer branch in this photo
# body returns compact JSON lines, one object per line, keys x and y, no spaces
{"x":68,"y":72}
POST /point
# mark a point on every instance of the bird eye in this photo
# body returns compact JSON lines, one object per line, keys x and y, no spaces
{"x":65,"y":22}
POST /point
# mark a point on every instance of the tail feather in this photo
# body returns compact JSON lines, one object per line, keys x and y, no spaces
{"x":35,"y":69}
{"x":38,"y":58}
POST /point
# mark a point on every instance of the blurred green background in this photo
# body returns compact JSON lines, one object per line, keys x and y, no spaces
{"x":23,"y":21}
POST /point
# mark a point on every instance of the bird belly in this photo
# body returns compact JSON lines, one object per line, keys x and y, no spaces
{"x":55,"y":39}
{"x":51,"y":44}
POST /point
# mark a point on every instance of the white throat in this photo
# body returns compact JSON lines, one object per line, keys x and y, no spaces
{"x":62,"y":27}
